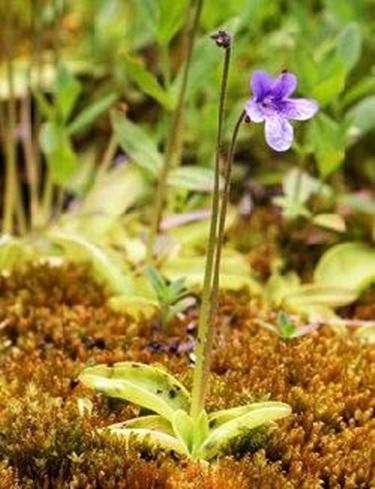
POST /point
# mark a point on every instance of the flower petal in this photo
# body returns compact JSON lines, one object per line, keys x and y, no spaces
{"x":284,"y":85}
{"x":254,"y":111}
{"x":261,"y":84}
{"x":279,"y":133}
{"x":299,"y":109}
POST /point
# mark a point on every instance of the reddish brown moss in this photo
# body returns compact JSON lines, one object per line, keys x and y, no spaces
{"x":49,"y":334}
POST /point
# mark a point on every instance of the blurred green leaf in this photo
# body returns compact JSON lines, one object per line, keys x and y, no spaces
{"x":350,"y":265}
{"x":115,"y":191}
{"x":67,"y":89}
{"x":148,"y":83}
{"x":45,"y":107}
{"x":365,"y":86}
{"x":137,"y":144}
{"x":362,"y":115}
{"x":14,"y":253}
{"x":60,"y":156}
{"x":172,"y":15}
{"x":107,"y":266}
{"x":90,"y":113}
{"x":335,"y":222}
{"x":349,"y":45}
{"x":328,"y":140}
{"x":332,"y":83}
{"x":192,"y":178}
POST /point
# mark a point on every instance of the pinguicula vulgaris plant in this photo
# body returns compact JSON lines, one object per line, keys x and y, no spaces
{"x":181,"y":423}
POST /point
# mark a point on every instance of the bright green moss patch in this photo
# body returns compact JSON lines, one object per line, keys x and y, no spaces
{"x":55,"y":321}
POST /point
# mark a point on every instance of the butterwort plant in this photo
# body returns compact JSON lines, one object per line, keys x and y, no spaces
{"x":180,"y":422}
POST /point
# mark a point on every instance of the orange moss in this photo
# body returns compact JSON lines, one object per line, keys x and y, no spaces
{"x":55,"y":321}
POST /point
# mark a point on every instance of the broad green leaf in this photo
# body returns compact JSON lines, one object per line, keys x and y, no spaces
{"x":143,"y":385}
{"x":61,"y":158}
{"x":192,"y":178}
{"x":151,"y":422}
{"x":330,"y":221}
{"x":115,"y":191}
{"x":222,"y":437}
{"x":350,"y":265}
{"x":349,"y":45}
{"x":105,"y":264}
{"x":148,"y":83}
{"x":362,"y":115}
{"x":183,"y":428}
{"x":91,"y":113}
{"x":172,"y":15}
{"x":217,"y":418}
{"x":137,"y":144}
{"x":154,"y":440}
{"x":201,"y":430}
{"x":67,"y":89}
{"x":319,"y":294}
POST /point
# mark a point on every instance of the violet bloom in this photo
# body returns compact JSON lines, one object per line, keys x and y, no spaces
{"x":271,"y":104}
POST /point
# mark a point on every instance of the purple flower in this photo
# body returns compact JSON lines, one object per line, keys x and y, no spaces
{"x":271,"y":104}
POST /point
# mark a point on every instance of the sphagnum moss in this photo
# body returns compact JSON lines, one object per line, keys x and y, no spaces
{"x":49,"y":335}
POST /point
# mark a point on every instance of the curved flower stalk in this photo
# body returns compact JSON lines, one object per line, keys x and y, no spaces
{"x":271,"y":104}
{"x":172,"y":428}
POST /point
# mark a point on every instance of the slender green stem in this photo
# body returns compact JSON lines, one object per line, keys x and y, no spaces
{"x":206,"y":323}
{"x":173,"y":149}
{"x":223,"y":212}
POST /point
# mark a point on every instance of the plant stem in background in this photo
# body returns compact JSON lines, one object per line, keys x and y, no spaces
{"x":209,"y":295}
{"x":50,"y":191}
{"x":12,"y":206}
{"x":30,"y":163}
{"x":173,"y":148}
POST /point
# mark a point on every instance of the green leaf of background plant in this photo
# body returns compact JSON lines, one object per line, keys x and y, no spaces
{"x":349,"y":45}
{"x":362,"y":115}
{"x":67,"y":89}
{"x":141,"y":384}
{"x":61,"y":158}
{"x":350,"y":265}
{"x":172,"y":15}
{"x":105,"y":265}
{"x":329,"y":88}
{"x":137,"y":144}
{"x":191,"y":177}
{"x":91,"y":113}
{"x":148,"y":83}
{"x":115,"y":191}
{"x":14,"y":253}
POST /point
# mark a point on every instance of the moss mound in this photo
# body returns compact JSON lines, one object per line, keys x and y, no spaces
{"x":53,"y":322}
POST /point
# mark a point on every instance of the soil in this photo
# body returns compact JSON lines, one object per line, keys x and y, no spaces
{"x":55,"y":321}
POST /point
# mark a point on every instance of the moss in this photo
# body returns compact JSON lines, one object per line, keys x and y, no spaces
{"x":55,"y":321}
